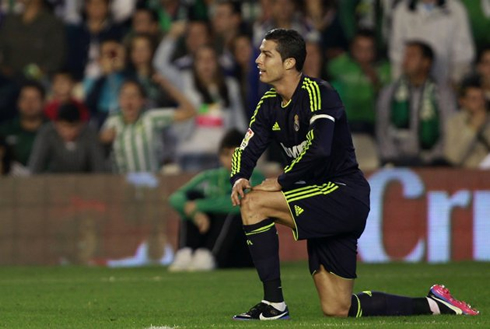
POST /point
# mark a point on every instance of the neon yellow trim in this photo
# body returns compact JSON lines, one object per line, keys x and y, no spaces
{"x":359,"y":309}
{"x":235,"y":161}
{"x":305,"y":86}
{"x":261,"y":229}
{"x":323,"y":191}
{"x":309,"y":137}
{"x":269,"y":94}
{"x":313,"y":190}
{"x":299,"y":189}
{"x":295,"y":230}
{"x":368,"y":292}
{"x":285,"y":105}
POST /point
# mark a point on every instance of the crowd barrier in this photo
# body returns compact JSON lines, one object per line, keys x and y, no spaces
{"x":429,"y":215}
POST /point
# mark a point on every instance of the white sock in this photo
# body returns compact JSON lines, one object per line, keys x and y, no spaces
{"x":433,"y":306}
{"x":281,"y":306}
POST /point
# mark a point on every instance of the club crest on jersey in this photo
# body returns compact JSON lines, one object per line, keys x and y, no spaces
{"x":296,"y":123}
{"x":247,"y":138}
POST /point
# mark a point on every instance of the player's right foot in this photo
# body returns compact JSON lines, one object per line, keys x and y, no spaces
{"x":441,"y":295}
{"x":263,"y":311}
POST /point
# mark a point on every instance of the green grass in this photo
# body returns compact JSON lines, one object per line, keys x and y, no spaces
{"x":81,"y":297}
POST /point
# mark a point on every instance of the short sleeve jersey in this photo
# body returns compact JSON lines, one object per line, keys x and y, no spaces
{"x":312,"y":130}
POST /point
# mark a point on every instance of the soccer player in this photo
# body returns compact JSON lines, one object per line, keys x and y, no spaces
{"x":321,"y":195}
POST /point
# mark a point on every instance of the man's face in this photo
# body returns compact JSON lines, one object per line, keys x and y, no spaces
{"x":206,"y":62}
{"x":283,"y":10}
{"x":484,"y":65}
{"x":474,"y":100}
{"x":30,"y":102}
{"x":143,"y":23}
{"x":131,"y":102}
{"x":269,"y":62}
{"x":97,"y":9}
{"x":413,"y":61}
{"x":224,"y":20}
{"x":68,"y":131}
{"x":363,"y":50}
{"x":197,"y":35}
{"x":225,"y":156}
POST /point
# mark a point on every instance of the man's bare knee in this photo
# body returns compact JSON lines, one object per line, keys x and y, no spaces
{"x":251,"y":209}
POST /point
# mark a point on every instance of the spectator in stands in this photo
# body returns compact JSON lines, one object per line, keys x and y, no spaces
{"x":284,"y":14}
{"x":242,"y":52}
{"x":169,"y":60}
{"x":6,"y":157}
{"x":324,"y":18}
{"x":483,"y":71}
{"x":479,"y":18}
{"x":228,"y":24}
{"x":67,"y":145}
{"x":21,"y":131}
{"x":358,"y":76}
{"x":220,"y":108}
{"x":85,"y":38}
{"x":102,"y":96}
{"x":62,"y":89}
{"x":210,"y":233}
{"x":134,"y":133}
{"x":140,"y":68}
{"x":145,"y":21}
{"x":468,"y":131}
{"x":314,"y":62}
{"x":171,"y":11}
{"x":32,"y":43}
{"x":444,"y":26}
{"x":411,"y":112}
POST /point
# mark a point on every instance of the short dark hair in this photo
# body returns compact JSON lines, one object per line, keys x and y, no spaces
{"x":482,"y":52}
{"x":63,"y":72}
{"x":153,"y":14}
{"x":138,"y":85}
{"x":36,"y":85}
{"x":232,"y":139}
{"x":365,"y":33}
{"x":236,"y":6}
{"x":426,"y":50}
{"x":68,"y":112}
{"x":472,"y":82}
{"x":290,"y":44}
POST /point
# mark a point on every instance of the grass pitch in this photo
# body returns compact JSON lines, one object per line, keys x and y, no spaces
{"x":81,"y":297}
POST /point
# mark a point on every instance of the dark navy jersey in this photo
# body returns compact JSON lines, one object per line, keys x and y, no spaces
{"x":312,"y":131}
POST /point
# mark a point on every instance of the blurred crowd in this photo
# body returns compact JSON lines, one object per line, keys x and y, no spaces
{"x":153,"y":85}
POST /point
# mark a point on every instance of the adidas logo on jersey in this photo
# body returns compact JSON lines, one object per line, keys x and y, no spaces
{"x":298,"y":210}
{"x":276,"y":127}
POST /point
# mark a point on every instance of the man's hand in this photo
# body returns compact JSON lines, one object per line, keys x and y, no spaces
{"x":268,"y":185}
{"x":107,"y":136}
{"x":202,"y":222}
{"x":238,"y":190}
{"x":190,"y":208}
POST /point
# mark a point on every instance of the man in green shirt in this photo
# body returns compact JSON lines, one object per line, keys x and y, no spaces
{"x":211,"y":234}
{"x":21,"y":131}
{"x":358,"y":78}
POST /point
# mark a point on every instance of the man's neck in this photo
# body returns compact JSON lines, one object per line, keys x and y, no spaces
{"x":418,"y":80}
{"x":31,"y":123}
{"x":287,"y":86}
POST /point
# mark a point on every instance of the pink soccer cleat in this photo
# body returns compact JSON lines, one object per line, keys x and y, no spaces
{"x":441,"y":294}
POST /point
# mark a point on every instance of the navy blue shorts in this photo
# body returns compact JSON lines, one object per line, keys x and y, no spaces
{"x":331,"y":216}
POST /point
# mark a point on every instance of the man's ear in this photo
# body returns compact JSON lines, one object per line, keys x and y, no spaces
{"x":290,"y":63}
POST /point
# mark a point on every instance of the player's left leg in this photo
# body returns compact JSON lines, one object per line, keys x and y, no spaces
{"x":260,"y":210}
